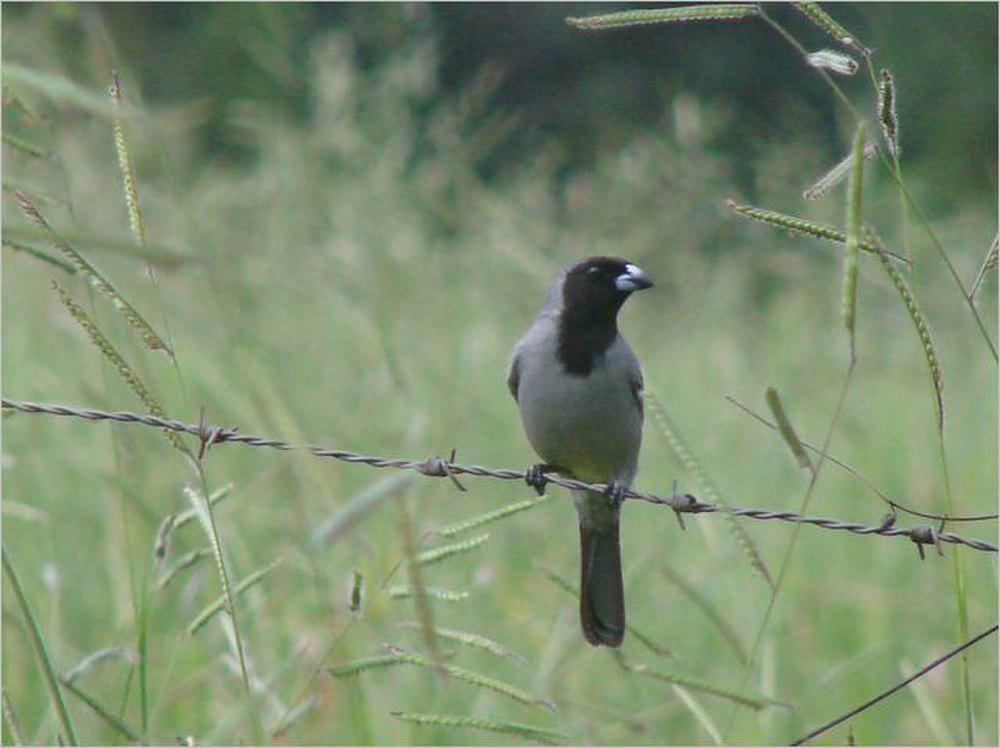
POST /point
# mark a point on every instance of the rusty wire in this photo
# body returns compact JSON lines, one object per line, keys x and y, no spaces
{"x":440,"y":467}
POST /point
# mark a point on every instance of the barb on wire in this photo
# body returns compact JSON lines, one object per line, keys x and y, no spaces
{"x":902,"y":684}
{"x":439,"y":467}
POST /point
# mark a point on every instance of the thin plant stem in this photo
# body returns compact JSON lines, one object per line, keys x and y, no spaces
{"x":961,"y":648}
{"x":41,"y":653}
{"x":813,"y":479}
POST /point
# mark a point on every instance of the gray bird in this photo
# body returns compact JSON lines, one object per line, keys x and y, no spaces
{"x":578,"y":386}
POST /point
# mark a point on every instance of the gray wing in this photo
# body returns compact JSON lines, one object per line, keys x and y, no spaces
{"x":514,"y":376}
{"x":636,"y":383}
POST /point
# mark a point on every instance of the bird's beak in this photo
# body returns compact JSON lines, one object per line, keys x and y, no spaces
{"x":633,"y":279}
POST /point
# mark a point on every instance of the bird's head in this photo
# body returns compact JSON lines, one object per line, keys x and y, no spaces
{"x":601,"y":284}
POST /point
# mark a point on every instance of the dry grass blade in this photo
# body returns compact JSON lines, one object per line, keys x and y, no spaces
{"x":699,"y":713}
{"x":475,"y":679}
{"x":146,"y":333}
{"x":803,"y":226}
{"x":645,"y":17}
{"x":989,"y":263}
{"x":457,"y":528}
{"x":126,"y":372}
{"x":838,"y":173}
{"x":786,"y":430}
{"x":67,"y":735}
{"x":821,"y":18}
{"x":453,"y":549}
{"x":108,"y":653}
{"x":223,"y":600}
{"x":534,"y":734}
{"x":919,"y":324}
{"x":849,"y":291}
{"x":686,"y":458}
{"x":474,"y":640}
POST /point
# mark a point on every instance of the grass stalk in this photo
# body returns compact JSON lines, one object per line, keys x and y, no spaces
{"x":850,"y":283}
{"x":103,"y":712}
{"x":67,"y":735}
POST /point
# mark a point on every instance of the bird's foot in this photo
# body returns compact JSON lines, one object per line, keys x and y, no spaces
{"x":615,"y":493}
{"x":536,"y":478}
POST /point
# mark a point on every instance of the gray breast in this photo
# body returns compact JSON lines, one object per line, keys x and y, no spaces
{"x":590,"y":425}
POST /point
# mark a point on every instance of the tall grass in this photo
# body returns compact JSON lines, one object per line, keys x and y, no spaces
{"x":359,"y":282}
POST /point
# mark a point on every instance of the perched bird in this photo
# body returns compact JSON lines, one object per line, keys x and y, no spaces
{"x":578,"y":386}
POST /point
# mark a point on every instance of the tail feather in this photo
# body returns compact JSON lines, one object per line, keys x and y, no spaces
{"x":602,"y":597}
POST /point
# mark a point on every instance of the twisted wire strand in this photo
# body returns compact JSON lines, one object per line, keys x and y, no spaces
{"x":439,"y":467}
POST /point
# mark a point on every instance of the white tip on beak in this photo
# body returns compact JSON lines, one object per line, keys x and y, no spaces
{"x":633,"y":279}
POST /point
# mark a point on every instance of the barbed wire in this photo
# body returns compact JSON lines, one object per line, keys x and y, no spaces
{"x":440,"y":467}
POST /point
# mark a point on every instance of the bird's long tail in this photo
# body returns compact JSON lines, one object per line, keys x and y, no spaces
{"x":602,"y":597}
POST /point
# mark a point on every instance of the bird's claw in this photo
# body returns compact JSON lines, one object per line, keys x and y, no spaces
{"x":536,"y":478}
{"x":615,"y":493}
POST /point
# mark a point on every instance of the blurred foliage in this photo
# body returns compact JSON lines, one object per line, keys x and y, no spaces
{"x":577,"y":92}
{"x":362,"y":215}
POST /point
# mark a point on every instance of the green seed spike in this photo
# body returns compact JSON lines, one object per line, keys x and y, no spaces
{"x":367,"y":663}
{"x":475,"y":679}
{"x":474,"y":640}
{"x":787,"y":432}
{"x":804,"y":226}
{"x":219,"y":603}
{"x":919,"y":324}
{"x":438,"y":593}
{"x":125,"y":165}
{"x":533,"y":734}
{"x":825,"y":21}
{"x":646,"y":17}
{"x":145,"y":331}
{"x":457,"y":528}
{"x":453,"y":549}
{"x":109,"y":352}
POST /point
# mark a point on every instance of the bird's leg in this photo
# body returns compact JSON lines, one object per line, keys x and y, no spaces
{"x":615,"y":493}
{"x":535,"y":476}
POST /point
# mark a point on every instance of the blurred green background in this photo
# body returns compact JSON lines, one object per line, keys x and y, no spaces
{"x":352,"y":212}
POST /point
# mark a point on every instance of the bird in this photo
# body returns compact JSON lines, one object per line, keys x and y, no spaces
{"x":578,"y":386}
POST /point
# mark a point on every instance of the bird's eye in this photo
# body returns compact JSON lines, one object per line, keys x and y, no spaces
{"x":593,"y":270}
